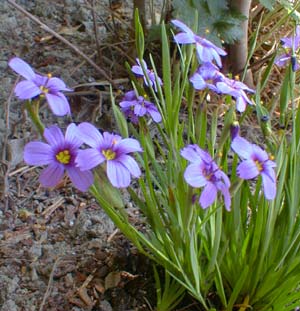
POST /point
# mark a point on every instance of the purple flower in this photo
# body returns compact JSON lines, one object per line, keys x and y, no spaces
{"x":112,"y":149}
{"x":134,"y":107}
{"x":37,"y":85}
{"x":291,"y":45}
{"x":237,"y":90}
{"x":206,"y":50}
{"x":256,"y":162}
{"x":206,"y":76}
{"x":138,"y":70}
{"x":204,"y":172}
{"x":59,"y":154}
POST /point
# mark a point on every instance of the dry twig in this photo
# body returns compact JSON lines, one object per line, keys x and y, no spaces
{"x":48,"y":290}
{"x":48,"y":211}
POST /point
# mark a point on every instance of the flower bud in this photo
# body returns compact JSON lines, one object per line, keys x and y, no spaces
{"x":234,"y":130}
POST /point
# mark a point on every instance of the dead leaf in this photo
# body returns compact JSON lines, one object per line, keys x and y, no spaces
{"x":15,"y":151}
{"x":112,"y":280}
{"x":83,"y":295}
{"x":64,"y":30}
{"x":98,"y":284}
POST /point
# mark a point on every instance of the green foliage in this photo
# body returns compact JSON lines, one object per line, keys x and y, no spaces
{"x":268,"y":3}
{"x":291,"y":7}
{"x":216,"y":21}
{"x":248,"y":258}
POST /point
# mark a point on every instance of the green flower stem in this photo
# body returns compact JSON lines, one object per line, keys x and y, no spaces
{"x":33,"y":110}
{"x":188,"y":209}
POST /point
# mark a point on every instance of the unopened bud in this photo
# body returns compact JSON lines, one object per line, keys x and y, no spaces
{"x":294,"y":63}
{"x":264,"y":118}
{"x":234,"y":130}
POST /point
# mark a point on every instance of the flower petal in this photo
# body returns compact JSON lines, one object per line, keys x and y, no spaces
{"x":221,"y":175}
{"x":38,"y":153}
{"x":224,"y":88}
{"x":128,"y":145}
{"x":56,"y":84}
{"x":203,"y":53}
{"x":110,"y":141}
{"x":260,"y":154}
{"x":72,"y":136}
{"x":140,"y":110}
{"x":247,"y":169}
{"x":182,"y":26}
{"x":51,"y":175}
{"x":208,"y":44}
{"x":194,"y":177}
{"x":118,"y":174}
{"x":184,"y":38}
{"x":197,"y":81}
{"x":282,"y":60}
{"x":58,"y":104}
{"x":54,"y":136}
{"x":21,"y":68}
{"x":82,"y":180}
{"x":269,"y":186}
{"x":130,"y":164}
{"x":242,"y":147}
{"x":208,"y":195}
{"x":88,"y":159}
{"x":143,"y":63}
{"x":194,"y":154}
{"x":226,"y":194}
{"x":242,"y":86}
{"x":137,"y":70}
{"x":127,"y":104}
{"x":129,"y":96}
{"x":216,"y":57}
{"x":90,"y":135}
{"x":240,"y":104}
{"x":154,"y":113}
{"x":27,"y":90}
{"x":40,"y":80}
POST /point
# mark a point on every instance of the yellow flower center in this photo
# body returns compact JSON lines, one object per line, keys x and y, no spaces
{"x":207,"y":174}
{"x":63,"y":157}
{"x":44,"y":89}
{"x":109,"y":154}
{"x":258,"y":165}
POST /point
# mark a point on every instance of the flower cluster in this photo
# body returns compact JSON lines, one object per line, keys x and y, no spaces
{"x":207,"y":52}
{"x":204,"y":172}
{"x":37,"y":85}
{"x":63,"y":154}
{"x":255,"y":162}
{"x":291,"y":46}
{"x":139,"y":72}
{"x":208,"y":74}
{"x":134,"y":106}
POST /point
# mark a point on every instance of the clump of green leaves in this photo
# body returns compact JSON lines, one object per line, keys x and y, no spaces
{"x":216,"y":20}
